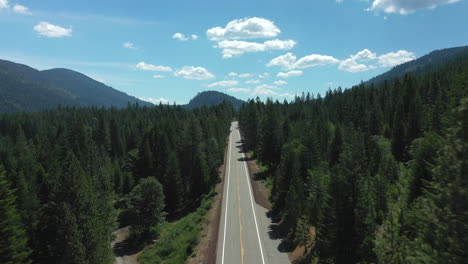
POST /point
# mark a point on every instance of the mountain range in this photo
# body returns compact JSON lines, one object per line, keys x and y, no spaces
{"x":23,"y":88}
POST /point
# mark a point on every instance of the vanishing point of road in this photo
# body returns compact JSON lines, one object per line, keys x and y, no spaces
{"x":244,"y":228}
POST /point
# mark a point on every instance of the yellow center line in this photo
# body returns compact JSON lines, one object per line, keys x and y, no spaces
{"x":240,"y":219}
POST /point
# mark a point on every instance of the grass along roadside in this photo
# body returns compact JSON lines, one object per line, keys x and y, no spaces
{"x":176,"y":240}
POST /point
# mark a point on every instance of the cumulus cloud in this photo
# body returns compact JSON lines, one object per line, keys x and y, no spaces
{"x":179,"y":36}
{"x":224,"y":84}
{"x":182,"y":37}
{"x":21,"y":9}
{"x":239,"y":90}
{"x":155,"y":101}
{"x":365,"y":60}
{"x":194,"y":73}
{"x":130,"y":45}
{"x":247,"y":28}
{"x":232,"y":48}
{"x":404,"y":7}
{"x":232,"y":74}
{"x":150,"y":67}
{"x":158,"y":76}
{"x":280,"y":82}
{"x":314,"y":60}
{"x":289,"y":61}
{"x":4,"y":4}
{"x":289,"y":74}
{"x":395,"y":58}
{"x":362,"y":61}
{"x":352,"y":64}
{"x":252,"y":81}
{"x":52,"y":31}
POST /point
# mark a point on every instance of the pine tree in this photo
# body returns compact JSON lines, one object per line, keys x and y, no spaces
{"x":173,"y":189}
{"x":13,"y":242}
{"x":146,"y":204}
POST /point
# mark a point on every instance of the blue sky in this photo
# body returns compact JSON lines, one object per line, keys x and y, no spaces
{"x":170,"y":50}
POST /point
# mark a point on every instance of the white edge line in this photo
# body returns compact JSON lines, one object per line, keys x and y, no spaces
{"x":251,"y":201}
{"x":227,"y":195}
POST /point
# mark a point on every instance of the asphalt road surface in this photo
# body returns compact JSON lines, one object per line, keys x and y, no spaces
{"x":244,"y":234}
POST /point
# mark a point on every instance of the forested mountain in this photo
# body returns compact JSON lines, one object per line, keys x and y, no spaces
{"x":208,"y":98}
{"x":70,"y":176}
{"x":377,"y":173}
{"x":426,"y":63}
{"x":23,"y":88}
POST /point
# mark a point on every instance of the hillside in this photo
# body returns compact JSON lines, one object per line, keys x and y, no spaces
{"x":213,"y":98}
{"x":23,"y":88}
{"x":419,"y":66}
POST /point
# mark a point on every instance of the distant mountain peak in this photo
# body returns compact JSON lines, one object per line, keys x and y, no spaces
{"x":207,"y":98}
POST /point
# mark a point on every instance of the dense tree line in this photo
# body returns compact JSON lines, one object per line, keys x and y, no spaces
{"x":379,"y":172}
{"x":69,"y":175}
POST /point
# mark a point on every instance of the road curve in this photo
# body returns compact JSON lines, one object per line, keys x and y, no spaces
{"x":244,"y":227}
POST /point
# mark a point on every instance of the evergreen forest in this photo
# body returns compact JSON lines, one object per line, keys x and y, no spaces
{"x":70,"y":176}
{"x":373,"y":174}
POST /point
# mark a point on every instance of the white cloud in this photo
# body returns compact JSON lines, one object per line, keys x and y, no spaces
{"x":21,"y":9}
{"x":239,"y":90}
{"x":366,"y":60}
{"x":247,"y":28}
{"x":130,"y":45}
{"x":194,"y":73}
{"x":232,"y":48}
{"x":182,"y":37}
{"x":280,"y":82}
{"x":314,"y":60}
{"x":289,"y":74}
{"x":53,"y":31}
{"x":289,"y":61}
{"x":232,"y":74}
{"x":245,"y":75}
{"x":150,"y":67}
{"x":285,"y":61}
{"x":4,"y":4}
{"x":224,"y":84}
{"x":252,"y":81}
{"x":158,"y":76}
{"x":395,"y":58}
{"x":155,"y":101}
{"x":352,"y":64}
{"x":179,"y":36}
{"x":404,"y":7}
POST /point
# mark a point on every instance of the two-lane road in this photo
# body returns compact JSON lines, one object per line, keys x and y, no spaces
{"x":244,"y":227}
